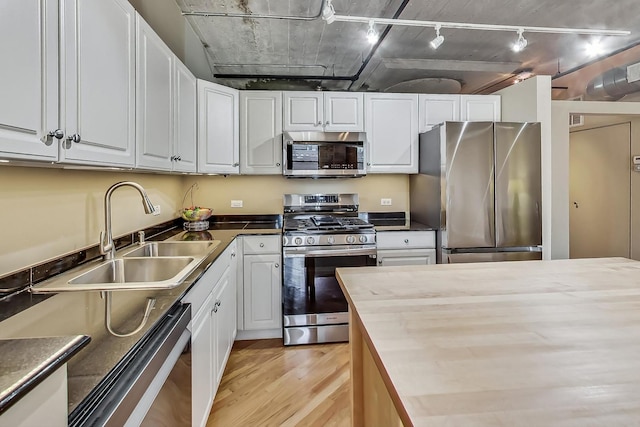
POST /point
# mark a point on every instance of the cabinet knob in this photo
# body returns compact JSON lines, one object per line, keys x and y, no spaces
{"x":74,"y":138}
{"x":278,"y":164}
{"x":326,"y":123}
{"x":48,"y":138}
{"x":406,"y":241}
{"x":368,"y":163}
{"x":262,"y":245}
{"x":380,"y":261}
{"x":276,"y":265}
{"x":236,"y":164}
{"x":318,"y":124}
{"x":178,"y":158}
{"x":233,"y":254}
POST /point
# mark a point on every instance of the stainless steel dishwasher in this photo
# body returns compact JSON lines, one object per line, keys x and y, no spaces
{"x":151,"y":385}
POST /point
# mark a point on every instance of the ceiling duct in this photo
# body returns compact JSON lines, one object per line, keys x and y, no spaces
{"x":615,"y":83}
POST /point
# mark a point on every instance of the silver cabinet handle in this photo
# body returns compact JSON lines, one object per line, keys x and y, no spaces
{"x":278,"y":164}
{"x":236,"y":164}
{"x":48,"y":138}
{"x":326,"y":123}
{"x":406,"y":241}
{"x":368,"y":163}
{"x":319,"y":123}
{"x":276,"y":265}
{"x":74,"y":138}
{"x":262,"y":245}
{"x":176,"y":158}
{"x":380,"y":261}
{"x":233,"y":254}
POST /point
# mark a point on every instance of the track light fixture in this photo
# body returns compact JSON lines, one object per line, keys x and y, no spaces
{"x":435,"y":43}
{"x":521,"y":43}
{"x":328,"y":12}
{"x":372,"y":34}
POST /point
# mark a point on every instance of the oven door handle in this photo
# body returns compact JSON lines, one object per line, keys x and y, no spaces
{"x":317,"y":253}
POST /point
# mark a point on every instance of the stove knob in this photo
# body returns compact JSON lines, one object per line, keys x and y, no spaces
{"x":310,"y":240}
{"x":363,"y":239}
{"x":297,"y":240}
{"x":351,"y":239}
{"x":331,"y":240}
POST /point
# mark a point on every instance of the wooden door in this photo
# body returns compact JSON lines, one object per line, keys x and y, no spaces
{"x":600,"y":192}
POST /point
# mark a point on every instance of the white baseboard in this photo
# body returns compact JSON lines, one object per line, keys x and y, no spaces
{"x":259,"y":335}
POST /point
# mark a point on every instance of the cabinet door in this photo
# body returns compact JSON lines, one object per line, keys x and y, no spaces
{"x":201,"y":365}
{"x":98,"y":59}
{"x":435,"y":109}
{"x":343,"y":112}
{"x":218,"y":140}
{"x":392,"y":133}
{"x":154,"y":100}
{"x":223,"y":309}
{"x":28,"y":79}
{"x":406,"y":257}
{"x":261,"y":133}
{"x":303,"y":111}
{"x":262,"y":289}
{"x":480,"y":108}
{"x":184,"y":144}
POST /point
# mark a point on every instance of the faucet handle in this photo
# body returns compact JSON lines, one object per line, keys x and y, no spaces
{"x":103,"y":249}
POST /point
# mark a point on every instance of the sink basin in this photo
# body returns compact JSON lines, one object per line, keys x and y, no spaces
{"x":173,"y":249}
{"x":127,"y":274}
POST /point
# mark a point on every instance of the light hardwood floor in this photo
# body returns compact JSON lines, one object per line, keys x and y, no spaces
{"x":267,"y":384}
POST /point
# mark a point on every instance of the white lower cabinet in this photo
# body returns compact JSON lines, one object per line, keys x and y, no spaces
{"x":259,"y":295}
{"x":45,"y":405}
{"x":406,"y":248}
{"x":201,"y":366}
{"x":213,"y":329}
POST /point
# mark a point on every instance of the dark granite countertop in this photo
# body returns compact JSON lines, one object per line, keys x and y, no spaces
{"x":82,"y":313}
{"x":27,"y":362}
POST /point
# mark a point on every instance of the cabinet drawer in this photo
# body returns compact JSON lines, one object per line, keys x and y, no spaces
{"x":395,"y":257}
{"x":406,"y":239}
{"x":261,"y":245}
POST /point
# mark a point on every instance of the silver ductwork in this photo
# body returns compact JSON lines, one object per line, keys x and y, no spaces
{"x":615,"y":83}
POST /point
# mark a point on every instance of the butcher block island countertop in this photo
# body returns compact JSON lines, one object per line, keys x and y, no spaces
{"x":533,"y":343}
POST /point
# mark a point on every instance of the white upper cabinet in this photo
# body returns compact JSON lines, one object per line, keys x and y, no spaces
{"x":436,"y":109}
{"x":218,"y":140}
{"x":98,"y":59}
{"x":261,"y":132}
{"x":154,"y":100}
{"x":29,"y":79}
{"x":328,"y":111}
{"x":303,"y":111}
{"x":185,"y":96}
{"x":392,"y":132}
{"x":165,"y":106}
{"x":480,"y":108}
{"x":343,"y":112}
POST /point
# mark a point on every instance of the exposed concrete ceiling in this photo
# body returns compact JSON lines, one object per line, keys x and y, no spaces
{"x":313,"y":53}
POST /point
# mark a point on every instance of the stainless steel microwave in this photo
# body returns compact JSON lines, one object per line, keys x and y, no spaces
{"x":324,"y":154}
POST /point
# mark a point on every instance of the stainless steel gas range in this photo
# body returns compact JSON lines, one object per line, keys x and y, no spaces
{"x":322,"y":232}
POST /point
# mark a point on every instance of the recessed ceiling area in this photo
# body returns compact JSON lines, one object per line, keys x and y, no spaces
{"x":305,"y":52}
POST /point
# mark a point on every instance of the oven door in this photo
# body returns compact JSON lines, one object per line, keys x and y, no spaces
{"x":314,"y":307}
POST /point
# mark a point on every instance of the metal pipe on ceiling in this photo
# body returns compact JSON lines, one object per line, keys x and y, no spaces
{"x":257,"y":16}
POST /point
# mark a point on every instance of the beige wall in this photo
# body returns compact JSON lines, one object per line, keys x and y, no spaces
{"x":45,"y":213}
{"x":263,"y":194}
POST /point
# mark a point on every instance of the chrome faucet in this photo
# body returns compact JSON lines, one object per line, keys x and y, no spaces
{"x":107,"y":248}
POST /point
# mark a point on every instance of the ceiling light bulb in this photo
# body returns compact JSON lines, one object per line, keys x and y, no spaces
{"x":437,"y":42}
{"x":521,"y":43}
{"x":372,"y":34}
{"x":328,"y":12}
{"x":594,"y":48}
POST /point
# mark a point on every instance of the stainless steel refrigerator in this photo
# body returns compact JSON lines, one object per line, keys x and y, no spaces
{"x":479,"y":184}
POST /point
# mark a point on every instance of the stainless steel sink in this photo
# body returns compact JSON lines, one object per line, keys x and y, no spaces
{"x":172,"y":249}
{"x":137,"y":270}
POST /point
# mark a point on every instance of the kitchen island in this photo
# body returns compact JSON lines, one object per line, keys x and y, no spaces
{"x":513,"y":343}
